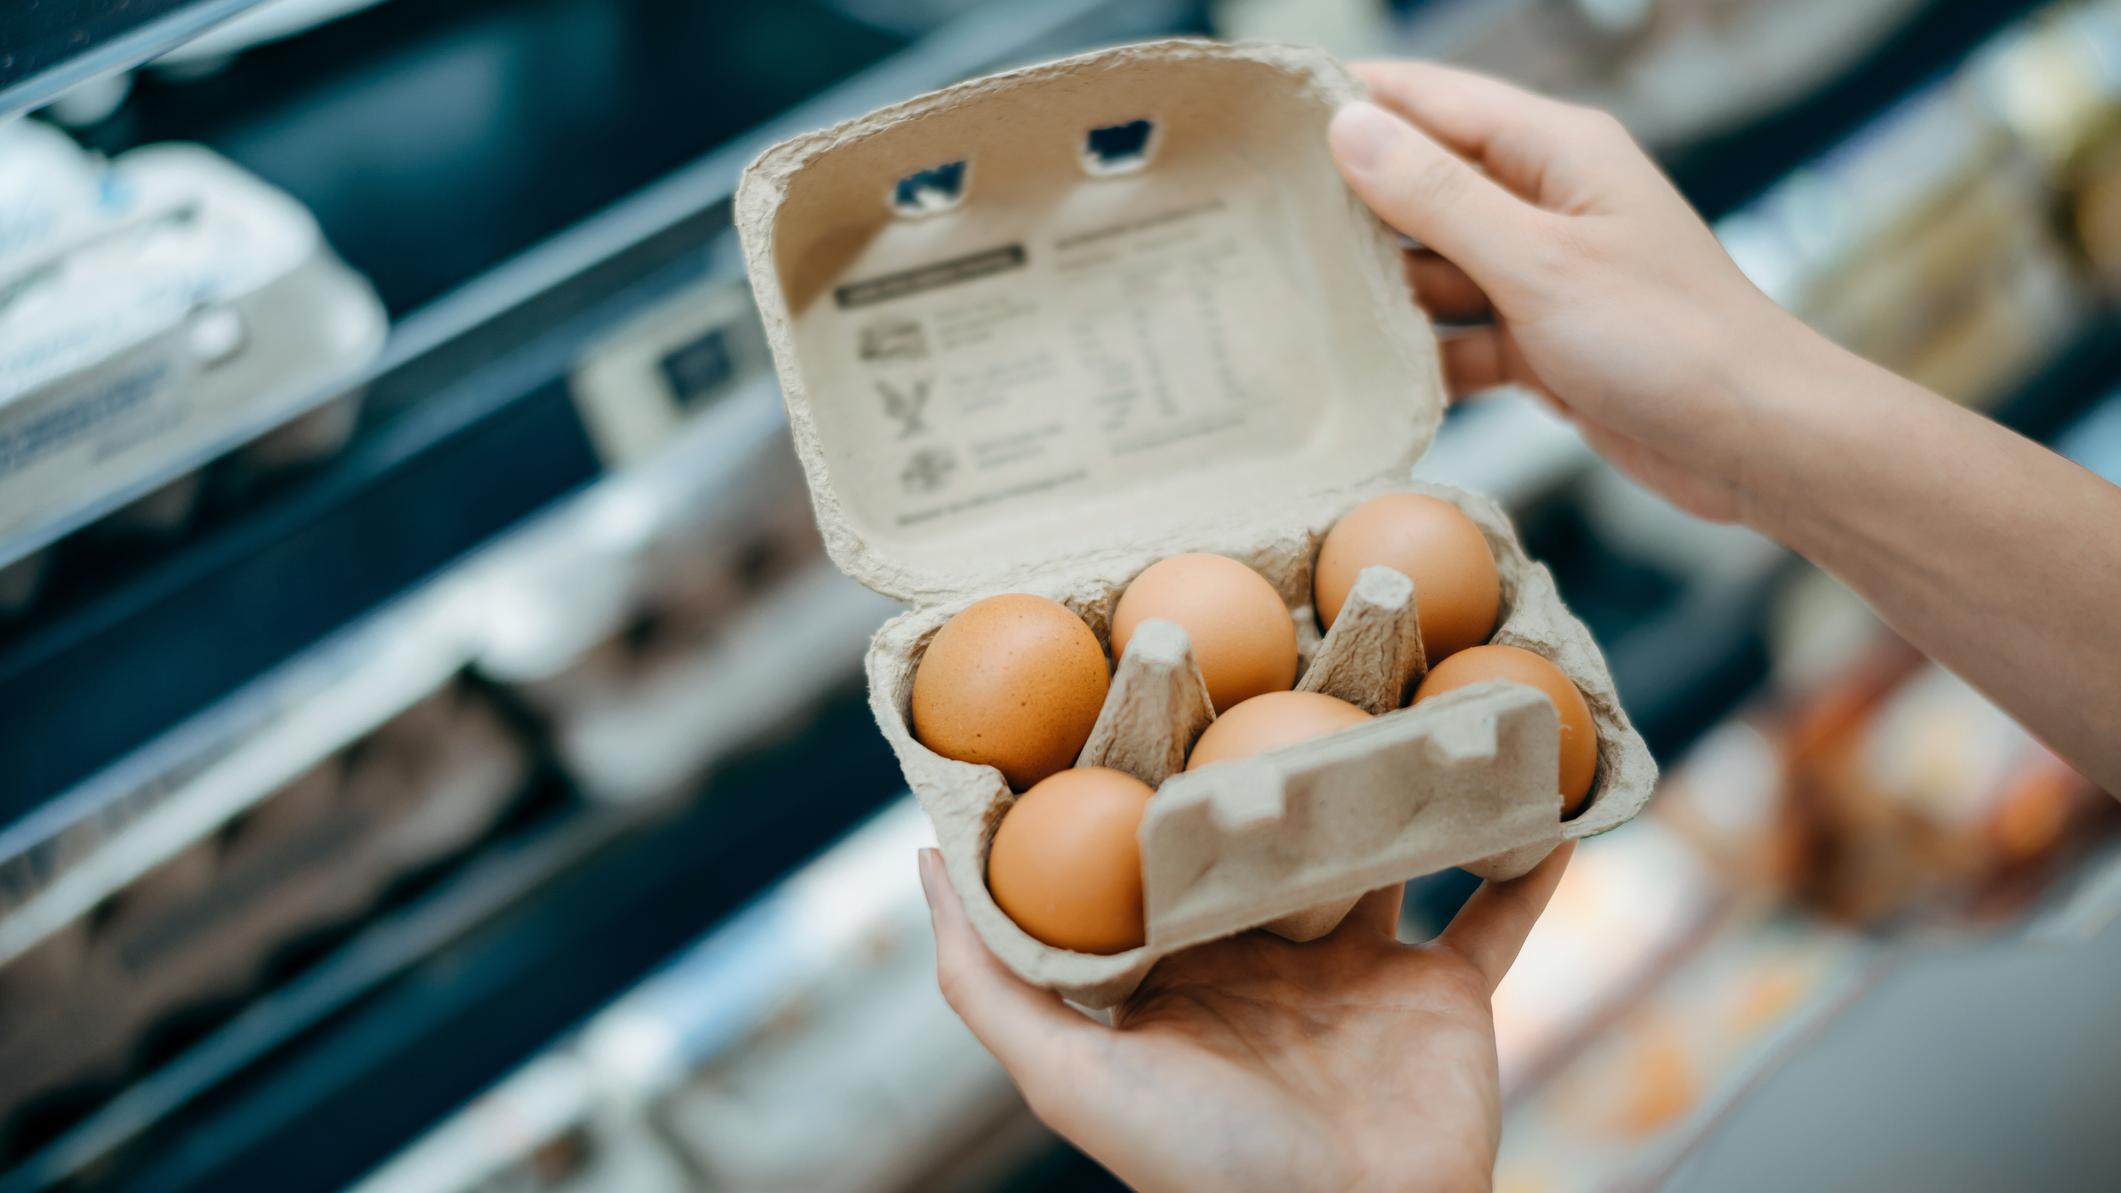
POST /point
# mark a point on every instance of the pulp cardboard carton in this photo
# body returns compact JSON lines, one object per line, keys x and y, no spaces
{"x":181,"y":309}
{"x":1040,"y":330}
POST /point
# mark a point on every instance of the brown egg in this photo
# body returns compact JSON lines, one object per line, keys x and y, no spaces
{"x":1242,"y":634}
{"x":1066,"y":861}
{"x":1579,"y":737}
{"x":1456,"y":589}
{"x":1270,"y":722}
{"x":1014,"y":682}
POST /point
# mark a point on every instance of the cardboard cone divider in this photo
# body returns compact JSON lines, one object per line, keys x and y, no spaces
{"x":1040,"y":330}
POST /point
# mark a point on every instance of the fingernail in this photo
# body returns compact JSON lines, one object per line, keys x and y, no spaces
{"x":1360,"y":133}
{"x":931,"y":865}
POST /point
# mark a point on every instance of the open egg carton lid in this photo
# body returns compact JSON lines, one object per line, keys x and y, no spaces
{"x":1059,"y":317}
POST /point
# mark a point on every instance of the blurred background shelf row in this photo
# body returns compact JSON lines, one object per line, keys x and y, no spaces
{"x":456,"y":761}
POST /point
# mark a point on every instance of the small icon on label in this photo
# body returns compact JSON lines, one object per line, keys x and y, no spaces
{"x":893,"y":339}
{"x":903,"y":404}
{"x":927,"y":470}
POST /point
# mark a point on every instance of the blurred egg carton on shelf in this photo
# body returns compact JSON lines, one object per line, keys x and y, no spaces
{"x":1674,"y":71}
{"x":657,"y":716}
{"x":684,"y":607}
{"x":157,"y":311}
{"x":541,"y":1130}
{"x":1923,"y":802}
{"x":2055,"y":81}
{"x":1629,"y":906}
{"x":802,"y":1045}
{"x":1926,"y":240}
{"x":1876,"y":789}
{"x":143,"y":908}
{"x":1680,"y":1054}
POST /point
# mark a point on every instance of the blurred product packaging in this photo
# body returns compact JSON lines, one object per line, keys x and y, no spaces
{"x":1674,"y":71}
{"x":1958,"y":239}
{"x":1877,"y":789}
{"x":156,"y":311}
{"x":1625,"y":908}
{"x":1677,"y":1055}
{"x":683,"y":607}
{"x":1922,"y":244}
{"x":201,"y":877}
{"x":2056,"y":82}
{"x":801,"y":1046}
{"x":1920,"y":797}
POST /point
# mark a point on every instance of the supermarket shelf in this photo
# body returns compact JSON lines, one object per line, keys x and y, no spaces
{"x":576,"y":914}
{"x":68,"y":855}
{"x":541,"y":96}
{"x":78,"y":850}
{"x":505,"y":873}
{"x":54,"y":47}
{"x":483,"y":432}
{"x":481,"y":379}
{"x":478,"y":428}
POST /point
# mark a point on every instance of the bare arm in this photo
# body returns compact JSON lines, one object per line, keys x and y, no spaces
{"x":1604,"y":290}
{"x":1991,"y":554}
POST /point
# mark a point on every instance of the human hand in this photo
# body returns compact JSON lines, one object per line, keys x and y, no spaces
{"x":1607,"y":293}
{"x":1349,"y":1062}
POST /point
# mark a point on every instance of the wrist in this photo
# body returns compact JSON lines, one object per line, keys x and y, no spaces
{"x":1802,"y":405}
{"x":1460,"y":1164}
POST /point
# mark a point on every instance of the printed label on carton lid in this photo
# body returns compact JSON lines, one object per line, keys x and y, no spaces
{"x":1047,"y":349}
{"x":1105,"y":351}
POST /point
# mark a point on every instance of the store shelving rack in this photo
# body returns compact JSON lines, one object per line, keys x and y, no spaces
{"x":54,"y":47}
{"x":485,"y":428}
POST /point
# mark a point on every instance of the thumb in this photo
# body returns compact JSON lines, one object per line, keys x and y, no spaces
{"x":1430,"y":193}
{"x":1028,"y":1029}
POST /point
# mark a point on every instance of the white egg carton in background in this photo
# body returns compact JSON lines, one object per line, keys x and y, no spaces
{"x":156,"y":312}
{"x":1040,"y":330}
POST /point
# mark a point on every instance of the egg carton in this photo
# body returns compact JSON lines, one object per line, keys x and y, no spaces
{"x":210,"y":925}
{"x":1040,"y":330}
{"x":156,"y":313}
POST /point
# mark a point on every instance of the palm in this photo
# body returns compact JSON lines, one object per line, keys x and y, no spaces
{"x":1350,"y":1062}
{"x":1272,"y":1035}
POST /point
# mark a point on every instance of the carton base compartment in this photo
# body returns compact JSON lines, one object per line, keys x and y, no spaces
{"x":1290,"y":840}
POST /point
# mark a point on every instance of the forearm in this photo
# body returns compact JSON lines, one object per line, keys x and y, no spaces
{"x":1991,"y":554}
